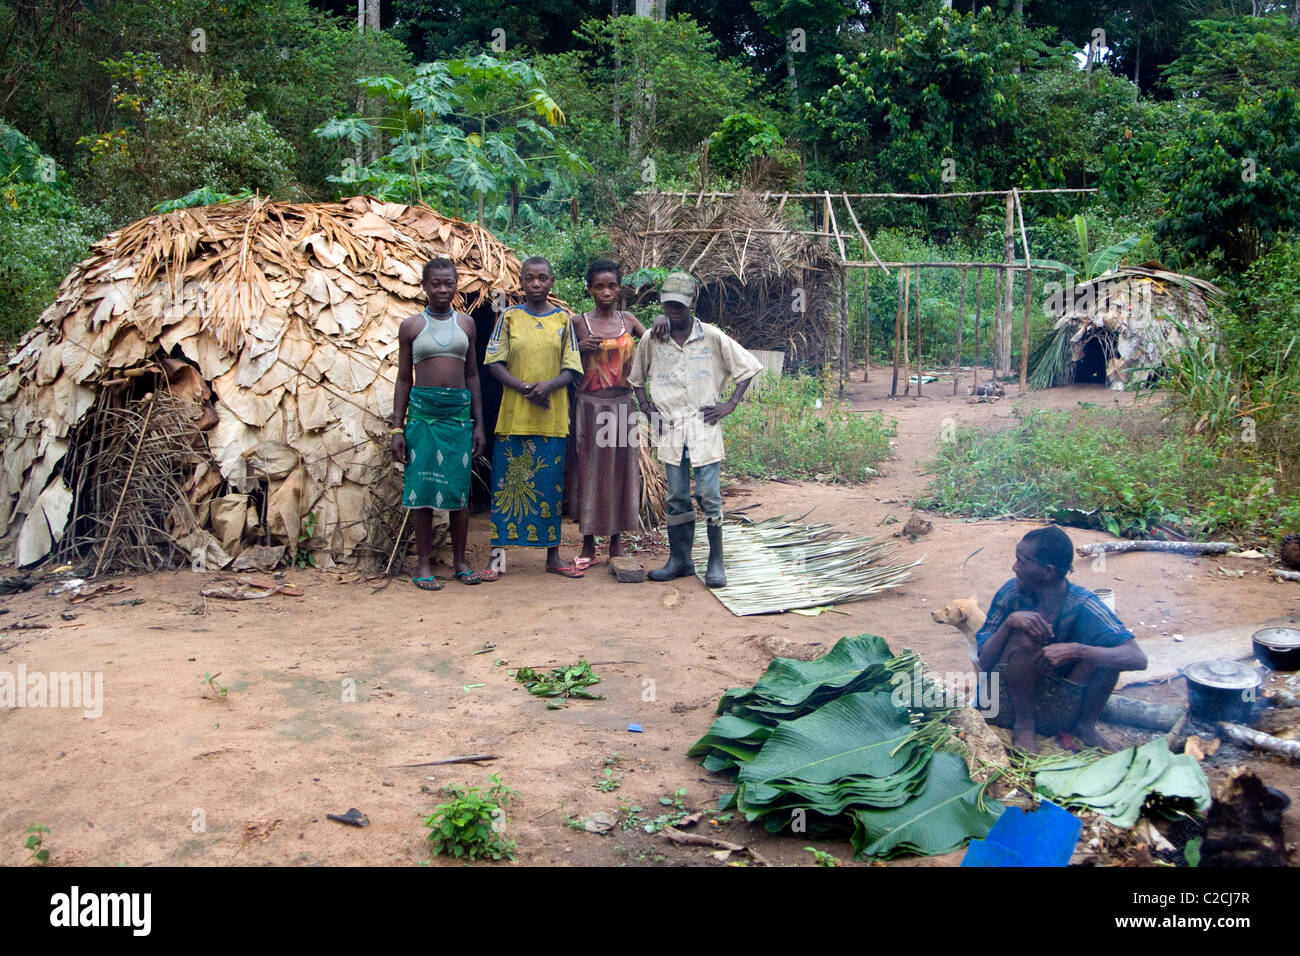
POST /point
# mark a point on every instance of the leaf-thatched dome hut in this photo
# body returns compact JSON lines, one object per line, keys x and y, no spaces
{"x":1118,"y":327}
{"x":222,"y":376}
{"x":771,"y":287}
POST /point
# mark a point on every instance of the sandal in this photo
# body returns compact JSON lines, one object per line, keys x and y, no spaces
{"x":565,"y":570}
{"x":582,"y":564}
{"x":427,"y":584}
{"x":469,"y":577}
{"x":488,"y":575}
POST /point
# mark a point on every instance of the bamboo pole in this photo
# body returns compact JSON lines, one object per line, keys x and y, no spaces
{"x":961,"y":320}
{"x":979,"y":287}
{"x":844,"y":327}
{"x":898,"y":315}
{"x":863,"y":264}
{"x":997,"y":306}
{"x":858,"y":226}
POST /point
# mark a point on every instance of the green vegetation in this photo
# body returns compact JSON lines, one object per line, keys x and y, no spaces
{"x":36,"y":843}
{"x":471,"y":824}
{"x":563,"y":682}
{"x":1131,"y":472}
{"x":781,"y":433}
{"x":675,"y":813}
{"x":822,"y":857}
{"x":211,"y":681}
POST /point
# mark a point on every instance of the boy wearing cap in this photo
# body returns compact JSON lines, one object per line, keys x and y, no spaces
{"x":1055,"y":647}
{"x":685,"y":374}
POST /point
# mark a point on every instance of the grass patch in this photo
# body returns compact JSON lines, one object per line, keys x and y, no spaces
{"x":781,"y":433}
{"x":1137,"y":473}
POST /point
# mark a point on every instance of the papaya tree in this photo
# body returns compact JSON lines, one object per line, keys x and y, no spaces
{"x":471,"y":132}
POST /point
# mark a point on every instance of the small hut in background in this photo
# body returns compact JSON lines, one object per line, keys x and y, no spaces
{"x":219,"y":377}
{"x":1119,"y":327}
{"x":770,"y":287}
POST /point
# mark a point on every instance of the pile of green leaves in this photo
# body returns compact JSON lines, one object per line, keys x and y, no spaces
{"x":827,"y":744}
{"x":565,"y":682}
{"x":790,"y":689}
{"x":471,"y":824}
{"x":1119,"y":785}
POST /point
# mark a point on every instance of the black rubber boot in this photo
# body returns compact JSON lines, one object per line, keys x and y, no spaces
{"x":681,"y":538}
{"x":714,"y":575}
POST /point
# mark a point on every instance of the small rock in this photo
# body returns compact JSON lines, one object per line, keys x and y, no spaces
{"x":626,"y":570}
{"x":388,"y":783}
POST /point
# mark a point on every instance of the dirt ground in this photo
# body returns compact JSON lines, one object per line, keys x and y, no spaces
{"x":173,"y":774}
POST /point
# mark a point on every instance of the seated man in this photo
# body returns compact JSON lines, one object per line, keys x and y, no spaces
{"x":1057,"y":650}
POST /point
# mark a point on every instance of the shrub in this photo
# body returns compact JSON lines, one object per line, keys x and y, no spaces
{"x":1127,"y":471}
{"x":470,"y":824}
{"x":781,"y":433}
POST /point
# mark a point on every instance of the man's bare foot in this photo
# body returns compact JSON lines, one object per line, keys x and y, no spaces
{"x":615,"y":546}
{"x":1092,"y":737}
{"x":1023,"y":738}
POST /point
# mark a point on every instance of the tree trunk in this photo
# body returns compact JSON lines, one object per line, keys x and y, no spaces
{"x":791,"y":81}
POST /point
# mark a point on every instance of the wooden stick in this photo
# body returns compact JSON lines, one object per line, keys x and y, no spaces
{"x":467,"y":758}
{"x":126,"y":483}
{"x":961,"y":320}
{"x":979,"y":287}
{"x":919,"y":374}
{"x":699,"y":839}
{"x":1261,"y":741}
{"x":865,"y":241}
{"x":785,"y":196}
{"x":1281,"y":575}
{"x":1168,"y":547}
{"x":866,"y":317}
{"x":1029,"y":290}
{"x":898,"y":314}
{"x":907,"y":318}
{"x":398,"y":543}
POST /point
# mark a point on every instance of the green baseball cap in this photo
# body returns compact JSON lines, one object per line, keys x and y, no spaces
{"x":678,"y":287}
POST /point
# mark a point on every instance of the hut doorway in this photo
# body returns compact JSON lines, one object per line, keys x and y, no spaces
{"x":1091,"y":367}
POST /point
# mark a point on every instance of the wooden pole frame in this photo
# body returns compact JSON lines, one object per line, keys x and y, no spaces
{"x":961,"y":320}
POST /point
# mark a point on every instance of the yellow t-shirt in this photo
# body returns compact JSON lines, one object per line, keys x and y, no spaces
{"x":535,"y":348}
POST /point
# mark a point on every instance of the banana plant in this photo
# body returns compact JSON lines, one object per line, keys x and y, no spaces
{"x":1090,"y":265}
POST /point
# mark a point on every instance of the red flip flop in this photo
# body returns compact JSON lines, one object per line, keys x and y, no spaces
{"x":565,"y":570}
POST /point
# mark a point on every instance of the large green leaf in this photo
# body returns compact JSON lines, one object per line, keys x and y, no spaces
{"x":852,"y":661}
{"x":941,"y":819}
{"x":1118,"y":785}
{"x":856,"y":734}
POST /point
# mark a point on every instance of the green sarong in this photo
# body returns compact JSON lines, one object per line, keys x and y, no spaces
{"x":439,"y":439}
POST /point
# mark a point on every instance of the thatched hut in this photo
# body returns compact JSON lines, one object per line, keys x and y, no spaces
{"x":218,"y":377}
{"x":769,"y":286}
{"x":1119,"y":327}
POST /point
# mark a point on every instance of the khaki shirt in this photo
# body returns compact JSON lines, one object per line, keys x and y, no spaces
{"x":683,"y":379}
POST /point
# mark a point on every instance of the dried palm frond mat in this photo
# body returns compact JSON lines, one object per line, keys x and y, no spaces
{"x":780,"y":565}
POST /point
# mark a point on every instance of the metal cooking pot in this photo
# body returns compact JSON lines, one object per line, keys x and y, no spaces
{"x":1278,"y":647}
{"x":1221,"y":690}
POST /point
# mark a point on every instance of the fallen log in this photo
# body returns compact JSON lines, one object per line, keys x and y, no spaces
{"x":1261,"y":741}
{"x":1168,"y":547}
{"x":1280,"y":575}
{"x":1140,"y":713}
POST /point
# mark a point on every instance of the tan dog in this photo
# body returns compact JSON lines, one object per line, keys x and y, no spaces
{"x":965,"y":615}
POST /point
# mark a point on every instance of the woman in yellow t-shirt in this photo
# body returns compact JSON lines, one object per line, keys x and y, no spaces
{"x":534,"y":355}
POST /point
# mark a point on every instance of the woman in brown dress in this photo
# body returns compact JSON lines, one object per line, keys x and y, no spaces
{"x":605,"y":416}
